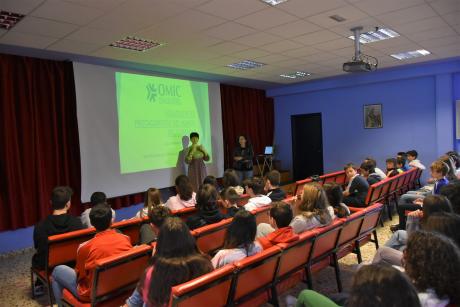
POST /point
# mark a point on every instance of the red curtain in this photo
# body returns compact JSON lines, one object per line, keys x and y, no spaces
{"x":249,"y":112}
{"x":39,"y":147}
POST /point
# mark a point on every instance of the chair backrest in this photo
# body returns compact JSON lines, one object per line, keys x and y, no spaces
{"x":62,"y":248}
{"x":386,"y":184}
{"x":371,"y":218}
{"x":212,"y":289}
{"x":184,"y":213}
{"x":295,"y":255}
{"x":116,"y":274}
{"x":130,"y":228}
{"x":262,"y":214}
{"x":326,"y":240}
{"x":299,"y":185}
{"x":211,"y":237}
{"x":256,"y":272}
{"x":351,"y":228}
{"x":243,"y":200}
{"x":338,"y":177}
{"x":393,"y":184}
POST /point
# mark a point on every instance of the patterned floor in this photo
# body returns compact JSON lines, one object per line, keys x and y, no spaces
{"x":15,"y":275}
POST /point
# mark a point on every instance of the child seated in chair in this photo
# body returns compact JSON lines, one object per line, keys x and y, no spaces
{"x":278,"y":230}
{"x":255,"y":189}
{"x":391,"y":167}
{"x":356,"y":190}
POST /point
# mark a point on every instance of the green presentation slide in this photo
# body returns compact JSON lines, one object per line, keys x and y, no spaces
{"x":154,"y":115}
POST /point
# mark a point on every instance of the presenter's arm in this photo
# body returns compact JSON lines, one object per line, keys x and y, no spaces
{"x":205,"y":153}
{"x":189,"y":155}
{"x":236,"y":154}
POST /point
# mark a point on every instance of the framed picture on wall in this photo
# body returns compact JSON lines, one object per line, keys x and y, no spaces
{"x":373,"y":116}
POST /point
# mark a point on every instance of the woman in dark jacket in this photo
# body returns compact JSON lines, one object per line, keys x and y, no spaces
{"x":242,"y":157}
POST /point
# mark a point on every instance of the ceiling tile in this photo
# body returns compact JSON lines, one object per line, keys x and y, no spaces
{"x":421,"y":25}
{"x":226,"y":48}
{"x":189,"y":3}
{"x":45,"y":27}
{"x":231,"y":9}
{"x":368,"y":24}
{"x":316,"y":37}
{"x":349,"y":12}
{"x":432,"y":34}
{"x":99,"y":4}
{"x":301,"y":52}
{"x":20,"y":6}
{"x":293,"y":29}
{"x":447,"y":51}
{"x":445,"y":6}
{"x":317,"y":57}
{"x":267,"y":18}
{"x":229,"y":31}
{"x":452,"y":18}
{"x":26,"y":40}
{"x":67,"y":12}
{"x":257,"y":39}
{"x":250,"y":53}
{"x":335,"y":44}
{"x":273,"y":58}
{"x":376,"y":7}
{"x":441,"y":41}
{"x":76,"y":47}
{"x":305,"y":8}
{"x":96,"y":36}
{"x":407,"y":15}
{"x":280,"y":46}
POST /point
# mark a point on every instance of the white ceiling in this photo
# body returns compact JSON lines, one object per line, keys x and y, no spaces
{"x":206,"y":35}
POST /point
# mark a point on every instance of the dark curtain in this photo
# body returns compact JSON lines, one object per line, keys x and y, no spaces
{"x":39,"y":146}
{"x":249,"y":112}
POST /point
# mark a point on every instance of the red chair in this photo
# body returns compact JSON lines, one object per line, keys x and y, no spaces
{"x":212,"y":289}
{"x":338,"y":177}
{"x":114,"y":278}
{"x":184,"y":213}
{"x":130,"y":228}
{"x":262,"y":214}
{"x":369,"y":228}
{"x":350,"y":232}
{"x":299,"y":185}
{"x":324,"y":247}
{"x":210,"y":238}
{"x":243,"y":200}
{"x":255,"y":275}
{"x":62,"y":249}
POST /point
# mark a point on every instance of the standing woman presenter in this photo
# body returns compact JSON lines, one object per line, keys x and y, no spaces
{"x":242,"y":158}
{"x":196,"y":155}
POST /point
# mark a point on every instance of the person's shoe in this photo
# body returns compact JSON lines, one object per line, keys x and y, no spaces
{"x":39,"y":290}
{"x":394,"y":227}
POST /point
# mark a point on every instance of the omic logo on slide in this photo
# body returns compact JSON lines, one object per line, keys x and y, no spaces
{"x":171,"y":92}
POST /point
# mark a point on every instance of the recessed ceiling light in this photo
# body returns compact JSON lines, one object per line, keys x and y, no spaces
{"x":136,"y":44}
{"x":411,"y":54}
{"x":9,"y":19}
{"x":246,"y":64}
{"x":337,"y":18}
{"x":273,"y":2}
{"x":375,"y":36}
{"x":295,"y":75}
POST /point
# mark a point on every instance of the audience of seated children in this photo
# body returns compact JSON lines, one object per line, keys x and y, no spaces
{"x":176,"y":260}
{"x":58,"y":222}
{"x":212,"y":181}
{"x":356,"y":190}
{"x":413,"y":161}
{"x":413,"y":200}
{"x":401,"y":164}
{"x":272,"y":186}
{"x":278,"y":230}
{"x":152,"y":199}
{"x":368,"y":172}
{"x":415,"y":219}
{"x":148,"y":232}
{"x":452,"y":192}
{"x":373,"y":285}
{"x":313,"y":210}
{"x":255,"y":188}
{"x":185,"y":197}
{"x":96,"y":198}
{"x":432,"y":262}
{"x":231,"y":179}
{"x":377,"y":170}
{"x":230,"y":198}
{"x":392,"y":170}
{"x":107,"y":242}
{"x":239,"y":240}
{"x":334,"y":194}
{"x":208,"y":209}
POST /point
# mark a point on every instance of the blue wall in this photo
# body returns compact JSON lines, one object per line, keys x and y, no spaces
{"x":418,"y":113}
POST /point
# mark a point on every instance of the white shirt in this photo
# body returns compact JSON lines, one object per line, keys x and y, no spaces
{"x":380,"y":173}
{"x":226,"y":256}
{"x":257,"y":202}
{"x":417,"y":163}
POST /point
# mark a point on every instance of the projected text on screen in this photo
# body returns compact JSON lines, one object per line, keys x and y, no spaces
{"x":154,"y":114}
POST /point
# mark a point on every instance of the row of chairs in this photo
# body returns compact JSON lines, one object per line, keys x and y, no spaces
{"x":338,"y":177}
{"x":251,"y":281}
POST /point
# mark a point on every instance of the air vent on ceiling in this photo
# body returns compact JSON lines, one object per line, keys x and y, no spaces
{"x":337,"y":18}
{"x":136,"y":44}
{"x":9,"y":19}
{"x":246,"y":64}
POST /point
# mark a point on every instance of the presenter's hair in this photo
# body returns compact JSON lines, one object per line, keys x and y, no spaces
{"x":183,"y":187}
{"x":100,"y":216}
{"x":98,"y":198}
{"x":194,"y":134}
{"x":60,"y":197}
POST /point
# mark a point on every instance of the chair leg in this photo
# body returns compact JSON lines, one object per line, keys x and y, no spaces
{"x":376,"y":240}
{"x":389,"y":211}
{"x":50,"y":293}
{"x":274,"y":299}
{"x":358,"y":253}
{"x":309,"y":278}
{"x":337,"y":272}
{"x":32,"y":284}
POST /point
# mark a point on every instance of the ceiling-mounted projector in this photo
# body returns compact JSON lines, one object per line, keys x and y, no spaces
{"x":360,"y":62}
